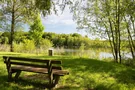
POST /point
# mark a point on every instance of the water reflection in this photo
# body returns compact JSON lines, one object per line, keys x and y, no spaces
{"x":105,"y":55}
{"x":92,"y":53}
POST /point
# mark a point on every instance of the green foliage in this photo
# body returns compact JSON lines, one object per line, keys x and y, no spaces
{"x":5,"y":37}
{"x":69,"y":41}
{"x":82,"y":46}
{"x":4,"y":40}
{"x":28,"y":45}
{"x":44,"y":6}
{"x":36,"y":30}
{"x":4,"y":47}
{"x":20,"y":11}
{"x":46,"y":44}
{"x":19,"y":36}
{"x":19,"y":47}
{"x":113,"y":20}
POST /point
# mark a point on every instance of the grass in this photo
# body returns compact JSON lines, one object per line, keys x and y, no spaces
{"x":85,"y":74}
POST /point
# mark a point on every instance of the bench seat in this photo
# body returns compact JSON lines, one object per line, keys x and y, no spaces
{"x":59,"y":72}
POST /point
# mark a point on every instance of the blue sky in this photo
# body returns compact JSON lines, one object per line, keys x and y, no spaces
{"x":61,"y":23}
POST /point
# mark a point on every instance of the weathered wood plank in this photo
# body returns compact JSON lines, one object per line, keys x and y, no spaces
{"x":57,"y":67}
{"x":60,"y":72}
{"x":29,"y":59}
{"x":29,"y":64}
{"x":30,"y":69}
{"x":17,"y":74}
{"x":56,"y":62}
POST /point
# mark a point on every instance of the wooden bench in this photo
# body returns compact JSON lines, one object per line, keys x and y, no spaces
{"x":52,"y":68}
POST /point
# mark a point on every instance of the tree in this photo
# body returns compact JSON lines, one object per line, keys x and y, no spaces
{"x":106,"y":19}
{"x":129,"y":19}
{"x":36,"y":30}
{"x":16,"y":11}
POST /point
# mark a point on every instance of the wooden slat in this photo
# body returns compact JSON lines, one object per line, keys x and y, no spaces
{"x":57,"y":67}
{"x":28,"y":64}
{"x":56,"y":62}
{"x":28,"y":59}
{"x":5,"y":61}
{"x":5,"y":57}
{"x":30,"y":69}
{"x":60,"y":72}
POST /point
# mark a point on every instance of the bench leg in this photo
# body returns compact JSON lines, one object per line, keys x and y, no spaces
{"x":17,"y":74}
{"x":50,"y":82}
{"x":56,"y":79}
{"x":9,"y":76}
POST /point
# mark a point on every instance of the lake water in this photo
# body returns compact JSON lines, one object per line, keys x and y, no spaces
{"x":92,"y":53}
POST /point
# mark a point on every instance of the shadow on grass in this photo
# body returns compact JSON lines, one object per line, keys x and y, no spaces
{"x":20,"y":84}
{"x":121,"y":73}
{"x":30,"y":82}
{"x":66,"y":88}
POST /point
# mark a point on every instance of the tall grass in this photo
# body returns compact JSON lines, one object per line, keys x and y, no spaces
{"x":4,"y":47}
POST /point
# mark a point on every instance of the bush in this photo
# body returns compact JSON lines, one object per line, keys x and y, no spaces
{"x":28,"y":45}
{"x":18,"y":47}
{"x":4,"y":47}
{"x":46,"y":44}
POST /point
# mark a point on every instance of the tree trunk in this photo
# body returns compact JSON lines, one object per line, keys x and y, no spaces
{"x":131,"y":44}
{"x":113,"y":41}
{"x":113,"y":36}
{"x":12,"y":28}
{"x":119,"y":34}
{"x":111,"y":44}
{"x":131,"y":49}
{"x":132,"y":20}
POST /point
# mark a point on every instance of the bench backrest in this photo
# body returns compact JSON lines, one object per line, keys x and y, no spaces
{"x":40,"y":63}
{"x":26,"y":62}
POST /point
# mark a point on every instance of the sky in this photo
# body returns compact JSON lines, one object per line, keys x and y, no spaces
{"x":61,"y":23}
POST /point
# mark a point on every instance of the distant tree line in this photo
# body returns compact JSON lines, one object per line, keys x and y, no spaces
{"x":71,"y":41}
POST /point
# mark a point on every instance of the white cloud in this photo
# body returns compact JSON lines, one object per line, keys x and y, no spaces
{"x":61,"y":23}
{"x":61,"y":18}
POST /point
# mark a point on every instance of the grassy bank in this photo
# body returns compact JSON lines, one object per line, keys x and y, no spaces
{"x":85,"y":74}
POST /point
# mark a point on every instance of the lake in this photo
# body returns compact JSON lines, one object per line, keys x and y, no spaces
{"x":91,"y":53}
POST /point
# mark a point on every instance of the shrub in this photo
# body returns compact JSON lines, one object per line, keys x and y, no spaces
{"x":4,"y":47}
{"x":28,"y":45}
{"x":46,"y":44}
{"x":18,"y":47}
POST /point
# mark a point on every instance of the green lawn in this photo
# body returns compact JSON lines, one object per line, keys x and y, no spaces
{"x":85,"y":74}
